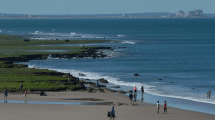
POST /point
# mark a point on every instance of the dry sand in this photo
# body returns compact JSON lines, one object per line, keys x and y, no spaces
{"x":21,"y":111}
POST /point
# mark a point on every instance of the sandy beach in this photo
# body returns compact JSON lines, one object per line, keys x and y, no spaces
{"x":26,"y":111}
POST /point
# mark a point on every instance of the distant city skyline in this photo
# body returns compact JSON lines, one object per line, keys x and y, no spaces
{"x":103,"y":6}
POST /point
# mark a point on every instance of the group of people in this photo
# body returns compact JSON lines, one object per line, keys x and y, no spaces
{"x":165,"y":107}
{"x":20,"y":88}
{"x":133,"y":97}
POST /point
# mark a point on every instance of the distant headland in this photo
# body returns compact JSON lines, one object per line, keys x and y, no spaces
{"x":180,"y":14}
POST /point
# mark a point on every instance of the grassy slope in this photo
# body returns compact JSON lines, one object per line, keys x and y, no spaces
{"x":33,"y":79}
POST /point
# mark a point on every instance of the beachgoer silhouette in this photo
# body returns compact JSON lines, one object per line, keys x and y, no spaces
{"x":112,"y":113}
{"x":165,"y":107}
{"x":5,"y":93}
{"x":209,"y":94}
{"x":135,"y":89}
{"x":25,"y":93}
{"x":134,"y":97}
{"x":142,"y":89}
{"x":131,"y":96}
{"x":158,"y":107}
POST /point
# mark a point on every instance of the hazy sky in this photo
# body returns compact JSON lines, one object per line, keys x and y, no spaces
{"x":103,"y":6}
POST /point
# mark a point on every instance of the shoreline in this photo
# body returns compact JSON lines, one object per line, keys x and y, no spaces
{"x":123,"y":111}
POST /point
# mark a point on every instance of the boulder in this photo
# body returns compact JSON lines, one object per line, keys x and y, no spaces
{"x":81,"y":74}
{"x":102,"y":80}
{"x":122,"y":92}
{"x":136,"y":74}
{"x":159,"y":79}
{"x":130,"y":91}
{"x":115,"y":86}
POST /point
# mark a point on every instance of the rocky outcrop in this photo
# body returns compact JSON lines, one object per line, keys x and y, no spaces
{"x":136,"y":74}
{"x":81,"y":74}
{"x":115,"y":86}
{"x":102,"y":80}
{"x":121,"y":92}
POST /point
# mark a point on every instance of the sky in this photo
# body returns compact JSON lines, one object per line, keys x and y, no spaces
{"x":103,"y":6}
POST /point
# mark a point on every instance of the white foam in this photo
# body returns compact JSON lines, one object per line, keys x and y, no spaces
{"x":72,"y":33}
{"x":0,"y":30}
{"x":128,"y":42}
{"x":147,"y":88}
{"x":37,"y":32}
{"x":120,"y":35}
{"x":95,"y":76}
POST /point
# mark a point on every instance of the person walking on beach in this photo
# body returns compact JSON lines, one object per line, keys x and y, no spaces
{"x":131,"y":96}
{"x":165,"y":107}
{"x":158,"y":107}
{"x":135,"y":96}
{"x":142,"y":89}
{"x":5,"y":93}
{"x":25,"y":93}
{"x":112,"y":113}
{"x":135,"y":89}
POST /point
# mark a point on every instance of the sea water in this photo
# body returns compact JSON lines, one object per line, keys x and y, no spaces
{"x":175,"y":58}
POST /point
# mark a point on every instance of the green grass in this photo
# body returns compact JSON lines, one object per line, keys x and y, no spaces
{"x":34,"y":79}
{"x":35,"y":86}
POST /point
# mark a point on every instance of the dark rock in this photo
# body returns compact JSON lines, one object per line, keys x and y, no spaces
{"x":115,"y":86}
{"x":26,"y":40}
{"x":136,"y":74}
{"x":81,"y":74}
{"x":66,"y":40}
{"x":101,"y":86}
{"x":130,"y":91}
{"x":159,"y":79}
{"x":102,"y":80}
{"x":122,"y":92}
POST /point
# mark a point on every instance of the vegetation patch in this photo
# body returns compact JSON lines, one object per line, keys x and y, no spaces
{"x":15,"y":48}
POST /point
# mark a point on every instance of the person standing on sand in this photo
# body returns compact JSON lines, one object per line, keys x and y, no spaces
{"x":142,"y":89}
{"x":131,"y":96}
{"x":158,"y":107}
{"x":112,"y":113}
{"x":135,"y":89}
{"x":165,"y":107}
{"x":5,"y":93}
{"x":25,"y":93}
{"x":135,"y":96}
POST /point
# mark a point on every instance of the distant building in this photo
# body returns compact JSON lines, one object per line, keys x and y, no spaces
{"x":196,"y":13}
{"x":180,"y":14}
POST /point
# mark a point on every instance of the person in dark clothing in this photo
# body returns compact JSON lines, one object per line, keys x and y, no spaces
{"x":131,"y":96}
{"x":142,"y":89}
{"x":112,"y":113}
{"x":165,"y":107}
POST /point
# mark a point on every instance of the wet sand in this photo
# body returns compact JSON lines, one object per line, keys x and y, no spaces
{"x":22,"y":111}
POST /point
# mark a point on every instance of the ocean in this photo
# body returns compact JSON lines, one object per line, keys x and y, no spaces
{"x":175,"y":57}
